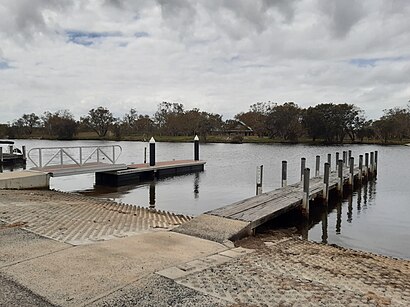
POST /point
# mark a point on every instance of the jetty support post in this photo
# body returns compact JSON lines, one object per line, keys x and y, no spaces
{"x":306,"y":181}
{"x":372,"y":164}
{"x":317,"y":166}
{"x":259,"y":179}
{"x":302,"y":168}
{"x":376,"y":153}
{"x":196,"y":148}
{"x":344,"y":158}
{"x":340,"y":177}
{"x":145,"y":154}
{"x":24,"y":151}
{"x":326,"y":182}
{"x":366,"y":164}
{"x":351,"y":173}
{"x":360,"y":168}
{"x":329,"y":160}
{"x":349,"y":155}
{"x":1,"y":154}
{"x":284,"y":173}
{"x":11,"y":149}
{"x":337,"y":160}
{"x":152,"y":152}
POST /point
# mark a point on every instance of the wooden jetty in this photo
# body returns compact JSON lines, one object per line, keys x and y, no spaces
{"x":259,"y":209}
{"x":13,"y":156}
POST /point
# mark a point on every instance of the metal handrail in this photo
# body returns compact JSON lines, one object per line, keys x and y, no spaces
{"x":81,"y":160}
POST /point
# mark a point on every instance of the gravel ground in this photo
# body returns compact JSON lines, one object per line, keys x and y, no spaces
{"x":13,"y":294}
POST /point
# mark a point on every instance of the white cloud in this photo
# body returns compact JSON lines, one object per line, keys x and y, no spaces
{"x":220,"y":56}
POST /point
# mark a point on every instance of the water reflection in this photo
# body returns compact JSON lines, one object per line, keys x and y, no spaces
{"x":324,"y":227}
{"x":152,"y":195}
{"x":196,"y":186}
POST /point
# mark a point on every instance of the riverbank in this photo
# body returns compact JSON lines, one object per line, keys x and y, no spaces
{"x":42,"y":265}
{"x":218,"y":139}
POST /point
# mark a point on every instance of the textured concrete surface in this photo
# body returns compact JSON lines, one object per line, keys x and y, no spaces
{"x":81,"y":274}
{"x":214,"y":228}
{"x":294,"y":272}
{"x":24,"y":180}
{"x":76,"y":219}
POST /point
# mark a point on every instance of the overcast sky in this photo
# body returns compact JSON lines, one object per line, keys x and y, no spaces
{"x":217,"y":55}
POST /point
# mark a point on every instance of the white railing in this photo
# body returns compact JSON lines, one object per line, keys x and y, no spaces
{"x":78,"y":155}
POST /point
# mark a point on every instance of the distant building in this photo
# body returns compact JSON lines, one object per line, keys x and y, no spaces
{"x":234,"y":127}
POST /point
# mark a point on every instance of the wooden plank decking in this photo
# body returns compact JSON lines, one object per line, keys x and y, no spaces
{"x":74,"y":169}
{"x":259,"y":209}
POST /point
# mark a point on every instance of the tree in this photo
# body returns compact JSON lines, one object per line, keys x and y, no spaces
{"x":60,"y":124}
{"x":99,"y":120}
{"x":27,"y":122}
{"x":284,"y":121}
{"x":168,"y":118}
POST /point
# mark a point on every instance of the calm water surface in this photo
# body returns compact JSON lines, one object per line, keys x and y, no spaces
{"x":374,"y":218}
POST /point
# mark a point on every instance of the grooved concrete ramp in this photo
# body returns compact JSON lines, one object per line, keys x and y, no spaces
{"x":215,"y":228}
{"x":76,"y":219}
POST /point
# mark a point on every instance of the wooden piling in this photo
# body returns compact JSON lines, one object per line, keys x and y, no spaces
{"x":284,"y":173}
{"x":11,"y":149}
{"x":340,"y":177}
{"x":329,"y":160}
{"x":376,"y":153}
{"x":152,"y":152}
{"x":337,"y":160}
{"x":1,"y":155}
{"x":360,"y":169}
{"x":366,"y":165}
{"x":351,"y":173}
{"x":196,"y":148}
{"x":302,"y":168}
{"x":349,"y":155}
{"x":145,"y":155}
{"x":326,"y":182}
{"x":371,"y":164}
{"x":344,"y":158}
{"x":317,"y":166}
{"x":259,"y":179}
{"x":306,"y":181}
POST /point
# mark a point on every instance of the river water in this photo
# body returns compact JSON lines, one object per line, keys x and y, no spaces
{"x":374,"y":218}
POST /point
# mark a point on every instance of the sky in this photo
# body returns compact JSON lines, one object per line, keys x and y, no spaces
{"x":220,"y":56}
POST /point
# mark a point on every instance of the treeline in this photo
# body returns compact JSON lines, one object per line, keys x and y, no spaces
{"x":326,"y":122}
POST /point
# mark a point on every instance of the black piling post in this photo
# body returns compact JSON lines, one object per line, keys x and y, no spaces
{"x":349,"y":155}
{"x":351,"y":173}
{"x":145,"y":155}
{"x":360,"y":169}
{"x":337,"y":160}
{"x":24,"y":152}
{"x":152,"y":152}
{"x":317,"y":166}
{"x":302,"y":168}
{"x":326,"y":182}
{"x":344,"y":157}
{"x":372,"y":164}
{"x":196,"y":148}
{"x":329,"y":160}
{"x":366,"y":164}
{"x":340,"y":177}
{"x":306,"y":181}
{"x":259,"y":179}
{"x":284,"y":173}
{"x":376,"y":153}
{"x":1,"y":155}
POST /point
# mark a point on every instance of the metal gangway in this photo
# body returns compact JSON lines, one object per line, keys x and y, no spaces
{"x":73,"y":160}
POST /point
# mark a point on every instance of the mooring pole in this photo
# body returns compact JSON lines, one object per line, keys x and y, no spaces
{"x":1,"y":155}
{"x":24,"y":151}
{"x":351,"y":174}
{"x":360,"y":168}
{"x":145,"y":154}
{"x":372,"y":163}
{"x":376,"y":153}
{"x":11,"y":148}
{"x":326,"y":182}
{"x":337,"y":160}
{"x":350,"y":154}
{"x":152,"y":152}
{"x":302,"y":168}
{"x":196,"y":148}
{"x":284,"y":173}
{"x":329,"y":160}
{"x":340,"y":177}
{"x":344,"y":157}
{"x":306,"y":180}
{"x":317,"y":166}
{"x":259,"y":179}
{"x":366,"y":164}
